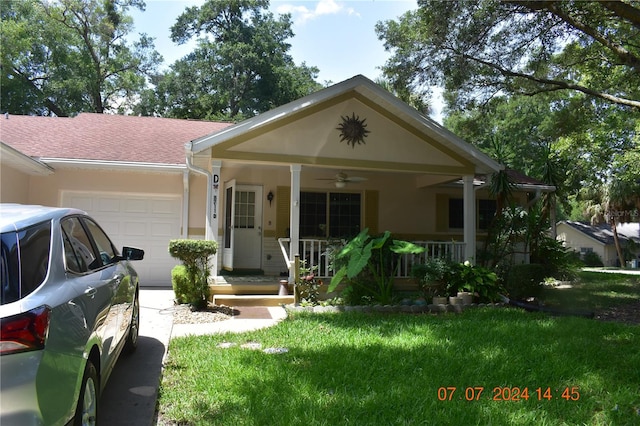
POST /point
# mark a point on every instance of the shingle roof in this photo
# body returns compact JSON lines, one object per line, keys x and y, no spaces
{"x":602,"y":232}
{"x":104,"y":137}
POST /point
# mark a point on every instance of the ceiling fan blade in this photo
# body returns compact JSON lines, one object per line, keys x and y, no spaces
{"x":355,"y":179}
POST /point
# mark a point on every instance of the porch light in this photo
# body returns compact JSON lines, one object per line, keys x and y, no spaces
{"x":270,"y":197}
{"x":340,"y":184}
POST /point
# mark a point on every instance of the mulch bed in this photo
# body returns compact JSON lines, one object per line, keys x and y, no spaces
{"x":627,"y":314}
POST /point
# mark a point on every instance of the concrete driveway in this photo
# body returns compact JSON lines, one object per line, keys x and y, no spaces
{"x":131,"y":393}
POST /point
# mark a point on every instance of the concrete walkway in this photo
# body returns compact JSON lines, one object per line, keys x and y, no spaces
{"x":132,"y":391}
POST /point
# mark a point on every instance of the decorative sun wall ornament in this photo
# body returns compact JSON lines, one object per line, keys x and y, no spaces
{"x":353,"y":130}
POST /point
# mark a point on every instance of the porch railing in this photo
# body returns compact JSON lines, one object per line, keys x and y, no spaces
{"x":316,"y":253}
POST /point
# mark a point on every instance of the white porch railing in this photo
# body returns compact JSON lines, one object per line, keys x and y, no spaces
{"x":315,"y":252}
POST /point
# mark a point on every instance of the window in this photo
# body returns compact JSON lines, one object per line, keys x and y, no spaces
{"x":456,"y":213}
{"x":24,"y":261}
{"x":78,"y":252}
{"x":103,"y":243}
{"x":486,"y":210}
{"x":330,"y":215}
{"x":245,"y":210}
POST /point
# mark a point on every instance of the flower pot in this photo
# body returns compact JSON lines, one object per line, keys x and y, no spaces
{"x":437,"y":300}
{"x":455,"y":300}
{"x":284,"y":288}
{"x":466,"y":297}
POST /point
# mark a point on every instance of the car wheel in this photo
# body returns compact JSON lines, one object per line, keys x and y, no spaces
{"x":134,"y":327}
{"x":87,"y":409}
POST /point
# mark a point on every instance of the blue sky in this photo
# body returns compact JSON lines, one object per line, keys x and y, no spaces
{"x":336,"y":36}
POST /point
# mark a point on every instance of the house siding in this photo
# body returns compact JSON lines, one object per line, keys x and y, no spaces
{"x":14,"y":185}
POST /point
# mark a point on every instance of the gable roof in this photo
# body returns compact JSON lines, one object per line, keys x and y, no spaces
{"x":602,"y":232}
{"x":90,"y":137}
{"x":306,"y":131}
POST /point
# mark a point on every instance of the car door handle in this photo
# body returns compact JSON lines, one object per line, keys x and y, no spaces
{"x":91,"y":292}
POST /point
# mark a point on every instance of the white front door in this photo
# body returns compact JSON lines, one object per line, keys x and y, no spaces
{"x":248,"y":227}
{"x":229,"y":213}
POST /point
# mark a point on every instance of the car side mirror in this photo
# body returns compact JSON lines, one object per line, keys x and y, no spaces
{"x":130,"y":253}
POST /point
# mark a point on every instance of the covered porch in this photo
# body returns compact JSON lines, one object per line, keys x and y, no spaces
{"x":352,"y":156}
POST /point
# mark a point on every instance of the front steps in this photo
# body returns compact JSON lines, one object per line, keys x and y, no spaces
{"x":263,"y":293}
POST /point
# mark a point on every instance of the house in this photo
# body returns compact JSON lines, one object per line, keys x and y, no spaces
{"x":289,"y":181}
{"x":584,"y":238}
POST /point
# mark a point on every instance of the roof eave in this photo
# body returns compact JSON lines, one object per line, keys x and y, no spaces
{"x":23,"y":162}
{"x":131,"y":166}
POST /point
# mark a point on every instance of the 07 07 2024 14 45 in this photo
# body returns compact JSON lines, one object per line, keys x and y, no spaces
{"x":507,"y":393}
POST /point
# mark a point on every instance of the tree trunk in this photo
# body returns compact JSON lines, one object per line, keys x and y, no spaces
{"x":616,"y":241}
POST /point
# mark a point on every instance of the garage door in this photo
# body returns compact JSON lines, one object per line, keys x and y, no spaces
{"x":136,"y":220}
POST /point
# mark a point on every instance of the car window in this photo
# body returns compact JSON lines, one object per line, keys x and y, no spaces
{"x":78,"y":251}
{"x":24,"y":261}
{"x":103,"y":243}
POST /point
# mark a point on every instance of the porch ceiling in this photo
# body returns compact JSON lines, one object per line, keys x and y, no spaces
{"x":306,"y":132}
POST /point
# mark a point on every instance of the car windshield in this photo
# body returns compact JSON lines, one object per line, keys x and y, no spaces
{"x":24,"y":261}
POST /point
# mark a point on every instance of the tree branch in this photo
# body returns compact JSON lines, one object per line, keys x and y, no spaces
{"x":552,"y":7}
{"x":623,"y":10}
{"x":556,"y":83}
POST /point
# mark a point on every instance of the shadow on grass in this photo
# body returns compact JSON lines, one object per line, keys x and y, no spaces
{"x":595,"y":291}
{"x":391,"y":369}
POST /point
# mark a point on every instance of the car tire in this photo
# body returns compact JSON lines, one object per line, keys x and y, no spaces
{"x":87,"y":408}
{"x":131,"y":343}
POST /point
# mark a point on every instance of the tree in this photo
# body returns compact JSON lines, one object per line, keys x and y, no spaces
{"x":70,"y":56}
{"x":240,"y":67}
{"x":484,"y":48}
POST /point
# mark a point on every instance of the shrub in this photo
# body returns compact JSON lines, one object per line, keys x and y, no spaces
{"x":181,"y":284}
{"x":523,"y":281}
{"x":478,"y":280}
{"x":194,"y":255}
{"x":431,"y":276}
{"x":591,"y":258}
{"x":308,"y":286}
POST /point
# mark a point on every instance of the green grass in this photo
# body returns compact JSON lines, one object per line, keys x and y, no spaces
{"x":595,"y":291}
{"x":387,"y":369}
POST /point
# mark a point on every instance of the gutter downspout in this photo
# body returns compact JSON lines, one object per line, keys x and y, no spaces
{"x":189,"y":160}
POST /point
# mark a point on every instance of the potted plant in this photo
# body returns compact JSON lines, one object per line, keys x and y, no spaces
{"x":432,"y":276}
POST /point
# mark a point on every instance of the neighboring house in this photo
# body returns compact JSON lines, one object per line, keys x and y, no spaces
{"x":584,"y":238}
{"x":318,"y":169}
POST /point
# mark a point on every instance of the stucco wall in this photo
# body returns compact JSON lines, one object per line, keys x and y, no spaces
{"x":575,"y":240}
{"x":14,"y":185}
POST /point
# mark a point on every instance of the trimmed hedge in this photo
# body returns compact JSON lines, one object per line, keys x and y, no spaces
{"x":191,"y":284}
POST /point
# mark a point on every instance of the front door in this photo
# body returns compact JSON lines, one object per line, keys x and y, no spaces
{"x":247,"y":227}
{"x":242,"y":248}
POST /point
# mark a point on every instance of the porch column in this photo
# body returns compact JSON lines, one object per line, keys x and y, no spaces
{"x":469,"y":208}
{"x":213,"y":219}
{"x":294,"y":222}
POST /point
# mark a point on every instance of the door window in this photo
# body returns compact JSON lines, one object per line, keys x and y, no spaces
{"x":245,"y":210}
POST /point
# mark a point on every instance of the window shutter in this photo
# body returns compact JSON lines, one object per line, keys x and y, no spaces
{"x":283,"y":202}
{"x":442,"y":212}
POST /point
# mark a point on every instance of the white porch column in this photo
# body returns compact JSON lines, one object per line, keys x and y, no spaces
{"x":294,"y":222}
{"x":213,"y":219}
{"x":469,"y":208}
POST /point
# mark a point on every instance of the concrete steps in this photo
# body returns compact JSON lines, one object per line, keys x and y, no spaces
{"x":248,"y":294}
{"x":252,"y":300}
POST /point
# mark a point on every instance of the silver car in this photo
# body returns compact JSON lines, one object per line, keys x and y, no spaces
{"x":69,"y":307}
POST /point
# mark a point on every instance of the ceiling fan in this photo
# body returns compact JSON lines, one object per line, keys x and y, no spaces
{"x":341,"y":179}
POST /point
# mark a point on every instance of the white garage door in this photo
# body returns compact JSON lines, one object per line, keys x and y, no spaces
{"x":136,"y":220}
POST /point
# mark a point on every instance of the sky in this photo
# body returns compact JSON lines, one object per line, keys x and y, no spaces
{"x":337,"y":37}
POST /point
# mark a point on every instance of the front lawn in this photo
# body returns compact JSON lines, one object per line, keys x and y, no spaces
{"x":595,"y":291}
{"x":484,"y":366}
